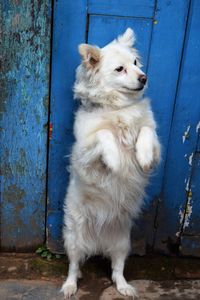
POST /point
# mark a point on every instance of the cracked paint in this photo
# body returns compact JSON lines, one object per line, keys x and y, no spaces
{"x":185,"y":212}
{"x":190,"y":158}
{"x":198,"y":127}
{"x":186,"y":134}
{"x":187,"y":185}
{"x":188,"y":211}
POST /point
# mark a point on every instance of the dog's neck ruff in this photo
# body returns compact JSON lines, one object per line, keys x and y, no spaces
{"x":91,"y":106}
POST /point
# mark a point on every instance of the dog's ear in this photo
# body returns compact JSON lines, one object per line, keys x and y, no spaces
{"x":128,"y":38}
{"x":90,"y":55}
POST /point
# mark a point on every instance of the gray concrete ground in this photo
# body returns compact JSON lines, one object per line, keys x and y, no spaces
{"x":155,"y":290}
{"x":147,"y":290}
{"x":30,"y":277}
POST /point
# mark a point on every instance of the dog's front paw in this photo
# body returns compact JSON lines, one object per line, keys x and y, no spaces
{"x":145,"y":159}
{"x":147,"y":149}
{"x":69,"y":289}
{"x":127,"y":290}
{"x":110,"y":155}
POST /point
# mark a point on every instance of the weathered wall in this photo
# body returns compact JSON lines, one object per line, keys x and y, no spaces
{"x":24,"y":97}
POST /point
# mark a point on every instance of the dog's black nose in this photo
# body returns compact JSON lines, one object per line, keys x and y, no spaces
{"x":142,"y":79}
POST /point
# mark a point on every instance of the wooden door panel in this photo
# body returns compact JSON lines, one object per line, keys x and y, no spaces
{"x":103,"y":29}
{"x":69,"y":31}
{"x":126,"y":8}
{"x":163,"y":71}
{"x":24,"y":104}
{"x":180,"y":188}
{"x":160,"y":28}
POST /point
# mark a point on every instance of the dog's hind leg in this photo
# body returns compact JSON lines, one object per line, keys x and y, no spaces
{"x":118,"y":259}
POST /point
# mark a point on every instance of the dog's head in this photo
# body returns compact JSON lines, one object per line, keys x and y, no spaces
{"x":112,"y":72}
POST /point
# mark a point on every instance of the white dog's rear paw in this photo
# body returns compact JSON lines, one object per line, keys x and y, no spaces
{"x":69,"y":289}
{"x":127,"y":290}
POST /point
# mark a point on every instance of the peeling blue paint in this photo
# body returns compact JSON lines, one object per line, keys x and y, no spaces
{"x":180,"y":208}
{"x":25,"y":36}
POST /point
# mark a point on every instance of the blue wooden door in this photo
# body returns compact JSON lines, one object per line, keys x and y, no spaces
{"x":163,"y":29}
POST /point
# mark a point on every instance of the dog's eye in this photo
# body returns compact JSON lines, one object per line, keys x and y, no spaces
{"x":135,"y":62}
{"x":119,"y":69}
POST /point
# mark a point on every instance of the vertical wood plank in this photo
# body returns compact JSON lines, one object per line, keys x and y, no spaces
{"x":69,"y":31}
{"x":190,"y":237}
{"x":24,"y":85}
{"x":164,"y":63}
{"x":180,"y":190}
{"x":191,"y":224}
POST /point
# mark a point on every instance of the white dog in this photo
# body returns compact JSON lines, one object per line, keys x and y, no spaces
{"x":116,"y":146}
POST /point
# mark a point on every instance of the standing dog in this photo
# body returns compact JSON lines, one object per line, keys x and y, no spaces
{"x":116,"y":146}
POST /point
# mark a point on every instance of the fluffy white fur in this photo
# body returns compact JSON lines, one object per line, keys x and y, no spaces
{"x":116,"y":146}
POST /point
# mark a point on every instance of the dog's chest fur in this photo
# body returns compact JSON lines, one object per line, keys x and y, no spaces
{"x":123,"y":123}
{"x":105,"y":187}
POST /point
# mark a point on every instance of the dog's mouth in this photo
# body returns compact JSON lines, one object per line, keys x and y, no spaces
{"x":140,"y":88}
